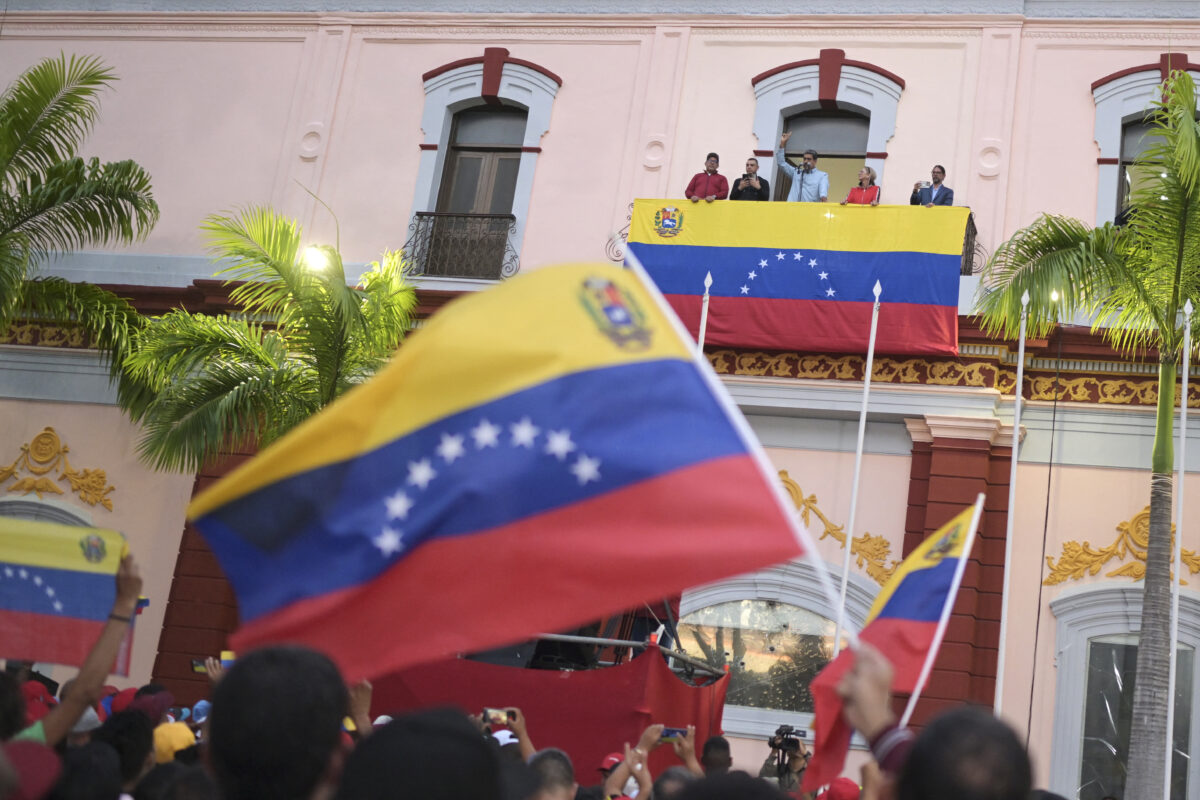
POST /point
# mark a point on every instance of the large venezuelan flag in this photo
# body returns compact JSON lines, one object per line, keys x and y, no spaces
{"x":537,"y":455}
{"x":799,"y":276}
{"x":904,"y":625}
{"x":57,"y":588}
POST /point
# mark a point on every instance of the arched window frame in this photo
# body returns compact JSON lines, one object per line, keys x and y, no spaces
{"x":796,"y":584}
{"x":1123,"y":97}
{"x":1086,"y":614}
{"x":494,"y":78}
{"x":43,"y":510}
{"x":829,"y":81}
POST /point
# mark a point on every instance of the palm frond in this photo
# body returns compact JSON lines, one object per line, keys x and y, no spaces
{"x":388,"y":302}
{"x":46,"y":113}
{"x":109,"y":321}
{"x":15,"y":260}
{"x":77,"y":204}
{"x":262,"y":248}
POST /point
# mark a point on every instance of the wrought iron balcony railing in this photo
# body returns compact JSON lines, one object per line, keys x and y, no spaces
{"x":462,"y":245}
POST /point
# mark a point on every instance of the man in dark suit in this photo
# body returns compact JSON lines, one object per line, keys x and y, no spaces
{"x":936,"y":194}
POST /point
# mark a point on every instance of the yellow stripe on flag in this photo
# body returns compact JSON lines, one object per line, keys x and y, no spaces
{"x":805,"y":226}
{"x":946,"y":542}
{"x":53,"y":546}
{"x":486,"y":337}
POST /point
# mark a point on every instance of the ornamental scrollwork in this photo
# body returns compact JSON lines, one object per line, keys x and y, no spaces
{"x":46,"y":453}
{"x":1078,"y":561}
{"x":872,"y":553}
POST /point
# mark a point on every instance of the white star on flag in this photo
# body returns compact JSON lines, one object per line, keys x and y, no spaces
{"x":524,"y":432}
{"x":485,"y":434}
{"x":559,"y":444}
{"x":398,"y":505}
{"x":762,"y":263}
{"x":829,"y":292}
{"x":37,"y":580}
{"x":420,"y":473}
{"x":23,"y":574}
{"x":388,"y":541}
{"x":812,"y":262}
{"x":8,"y":572}
{"x":451,"y":448}
{"x":58,"y":606}
{"x":752,"y":275}
{"x":823,"y":275}
{"x":745,"y":290}
{"x":779,"y":256}
{"x":49,"y":592}
{"x":797,"y":255}
{"x":586,"y":469}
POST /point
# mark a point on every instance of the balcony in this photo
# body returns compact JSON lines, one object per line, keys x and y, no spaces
{"x":446,"y":245}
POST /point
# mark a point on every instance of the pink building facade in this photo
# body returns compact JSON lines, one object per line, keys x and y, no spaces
{"x":545,"y":125}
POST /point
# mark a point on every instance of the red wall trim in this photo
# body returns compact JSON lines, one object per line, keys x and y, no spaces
{"x":531,"y":149}
{"x":876,"y":155}
{"x":424,"y":146}
{"x":466,"y":62}
{"x":829,"y":74}
{"x":1166,"y":62}
{"x":1108,"y":160}
{"x":808,"y":62}
{"x":764,"y":153}
{"x":493,"y":70}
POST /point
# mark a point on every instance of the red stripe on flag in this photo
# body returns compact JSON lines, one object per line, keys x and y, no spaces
{"x":905,"y":643}
{"x":544,"y":573}
{"x":47,"y":637}
{"x":821,"y":325}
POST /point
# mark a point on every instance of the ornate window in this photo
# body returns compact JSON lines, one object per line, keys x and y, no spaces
{"x":1097,"y":638}
{"x":849,"y":104}
{"x":483,"y":120}
{"x":1122,"y":100}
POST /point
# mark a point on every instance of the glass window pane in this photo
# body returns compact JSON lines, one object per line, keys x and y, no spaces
{"x":490,"y":127}
{"x":1136,"y":137}
{"x":1112,"y":668}
{"x":505,"y":185}
{"x":773,"y":650}
{"x":828,"y":133}
{"x":465,"y":185}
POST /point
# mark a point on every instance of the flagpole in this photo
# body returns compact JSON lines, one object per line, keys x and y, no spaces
{"x":1177,"y":566}
{"x":803,"y":537}
{"x":927,"y":667}
{"x":704,"y":313}
{"x":1012,"y":502}
{"x":858,"y":454}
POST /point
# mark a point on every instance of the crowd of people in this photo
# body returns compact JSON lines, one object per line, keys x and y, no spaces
{"x":808,"y":183}
{"x":276,"y":729}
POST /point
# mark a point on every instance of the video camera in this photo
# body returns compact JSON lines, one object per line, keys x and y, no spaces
{"x":785,"y":739}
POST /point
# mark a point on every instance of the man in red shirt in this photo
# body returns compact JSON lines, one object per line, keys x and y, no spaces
{"x":709,"y":184}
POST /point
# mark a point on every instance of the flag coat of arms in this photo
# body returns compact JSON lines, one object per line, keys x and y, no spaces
{"x":537,"y":455}
{"x":904,"y":624}
{"x":57,"y":587}
{"x":799,"y":276}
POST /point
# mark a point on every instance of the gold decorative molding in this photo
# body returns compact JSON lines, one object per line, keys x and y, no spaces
{"x":41,"y":456}
{"x":872,"y":552}
{"x":44,"y":335}
{"x":1081,"y":560}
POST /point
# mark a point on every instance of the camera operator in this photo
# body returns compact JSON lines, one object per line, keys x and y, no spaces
{"x":787,"y":760}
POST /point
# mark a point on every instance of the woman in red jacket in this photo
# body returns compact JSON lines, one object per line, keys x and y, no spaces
{"x":866,"y":193}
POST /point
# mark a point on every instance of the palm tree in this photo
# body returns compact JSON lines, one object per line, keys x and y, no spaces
{"x":200,"y":383}
{"x":52,"y":201}
{"x":1133,"y":280}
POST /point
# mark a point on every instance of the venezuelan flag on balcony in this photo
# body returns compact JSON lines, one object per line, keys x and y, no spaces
{"x":538,"y":455}
{"x":57,"y":587}
{"x":798,"y":276}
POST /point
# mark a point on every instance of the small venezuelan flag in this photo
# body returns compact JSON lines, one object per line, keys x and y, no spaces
{"x":537,"y":455}
{"x":905,"y":625}
{"x":799,"y":276}
{"x":57,"y":588}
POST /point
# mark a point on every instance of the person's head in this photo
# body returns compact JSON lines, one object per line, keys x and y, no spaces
{"x":608,"y":764}
{"x":715,"y":757}
{"x":966,"y":753}
{"x":81,"y":732}
{"x":752,"y":165}
{"x":434,"y":755}
{"x":866,"y":177}
{"x":938,"y":173}
{"x":154,"y":785}
{"x":810,"y":159}
{"x":276,"y":723}
{"x":192,"y":783}
{"x":731,"y":786}
{"x":89,"y":772}
{"x":672,"y":782}
{"x":711,"y":162}
{"x":132,"y":736}
{"x":555,"y":773}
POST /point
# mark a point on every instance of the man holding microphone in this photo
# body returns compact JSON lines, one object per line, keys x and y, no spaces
{"x":809,"y":184}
